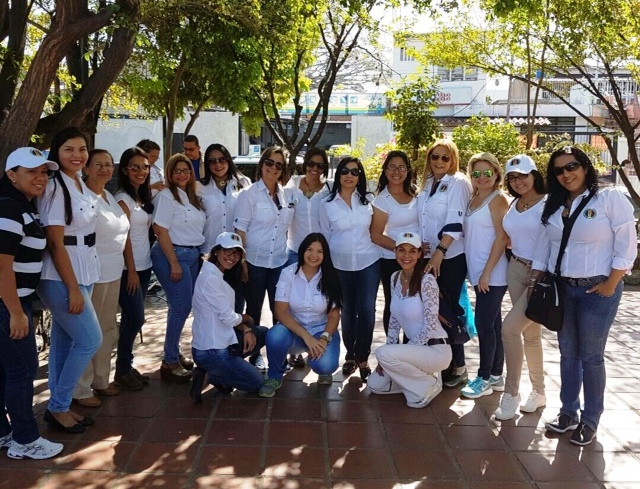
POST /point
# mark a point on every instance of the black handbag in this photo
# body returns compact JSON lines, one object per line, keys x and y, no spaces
{"x":451,"y":322}
{"x":545,"y":305}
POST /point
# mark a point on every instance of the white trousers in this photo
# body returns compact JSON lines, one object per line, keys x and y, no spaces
{"x":409,"y":369}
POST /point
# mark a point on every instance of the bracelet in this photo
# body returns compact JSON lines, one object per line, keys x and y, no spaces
{"x":442,"y":249}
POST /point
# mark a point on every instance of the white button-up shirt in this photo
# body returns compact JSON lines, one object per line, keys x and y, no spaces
{"x":347,"y":230}
{"x":401,"y":218}
{"x":443,"y":212}
{"x":603,"y":237}
{"x":184,"y":222}
{"x":307,"y":304}
{"x":111,"y":236}
{"x":84,"y":259}
{"x":265,"y":225}
{"x":306,"y":218}
{"x":214,"y":317}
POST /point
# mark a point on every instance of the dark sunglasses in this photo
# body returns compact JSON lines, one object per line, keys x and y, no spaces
{"x":315,"y":164}
{"x":485,"y":173}
{"x":279,"y":166}
{"x":354,"y":171}
{"x":570,"y":167}
{"x":436,"y":157}
{"x":137,"y":168}
{"x":213,"y":161}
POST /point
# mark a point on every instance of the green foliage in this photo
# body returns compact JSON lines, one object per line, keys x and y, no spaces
{"x":480,"y":134}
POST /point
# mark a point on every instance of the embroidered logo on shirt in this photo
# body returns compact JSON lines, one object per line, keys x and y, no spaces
{"x":443,"y":188}
{"x":590,"y":213}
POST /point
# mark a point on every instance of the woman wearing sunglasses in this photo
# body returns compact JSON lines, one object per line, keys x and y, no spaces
{"x":601,"y":249}
{"x":345,"y":219}
{"x":262,"y":218}
{"x":442,"y":202}
{"x":218,"y":191}
{"x":178,"y":222}
{"x":485,"y":242}
{"x":520,"y":336}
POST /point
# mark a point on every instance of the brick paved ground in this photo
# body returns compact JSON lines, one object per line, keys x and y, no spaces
{"x":339,"y":436}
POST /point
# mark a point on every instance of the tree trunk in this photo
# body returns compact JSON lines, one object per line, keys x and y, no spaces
{"x":14,"y":55}
{"x":171,"y":108}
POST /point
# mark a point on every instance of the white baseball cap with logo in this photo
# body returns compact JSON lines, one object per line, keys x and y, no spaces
{"x":229,"y":240}
{"x":520,"y":164}
{"x":409,"y":238}
{"x":29,"y":158}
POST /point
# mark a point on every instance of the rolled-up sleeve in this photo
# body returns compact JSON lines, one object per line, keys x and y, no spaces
{"x":283,"y":289}
{"x":625,"y":241}
{"x":242,"y":216}
{"x":163,"y":209}
{"x":457,"y":205}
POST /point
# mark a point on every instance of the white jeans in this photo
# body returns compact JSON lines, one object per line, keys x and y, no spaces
{"x":410,"y":369}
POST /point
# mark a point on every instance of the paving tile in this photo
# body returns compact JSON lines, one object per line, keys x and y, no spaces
{"x":425,"y":464}
{"x":86,"y":479}
{"x":568,"y":485}
{"x":293,"y":483}
{"x":500,"y":485}
{"x":417,"y":436}
{"x":101,"y":455}
{"x":225,"y":482}
{"x":359,"y":464}
{"x":242,"y":408}
{"x":295,"y":462}
{"x":286,"y":434}
{"x":366,"y":484}
{"x":355,"y":435}
{"x":549,"y":467}
{"x":238,"y":461}
{"x":398,"y":412}
{"x":357,"y":411}
{"x":619,"y":419}
{"x":23,"y":477}
{"x":235,"y":432}
{"x":530,"y":439}
{"x":461,"y":413}
{"x":293,"y":409}
{"x":440,"y":484}
{"x":473,"y":438}
{"x":172,"y":430}
{"x":138,"y":407}
{"x":116,"y":429}
{"x":629,"y":437}
{"x":183,"y":407}
{"x":163,"y":457}
{"x":490,"y":465}
{"x":147,"y":480}
{"x":613,"y":467}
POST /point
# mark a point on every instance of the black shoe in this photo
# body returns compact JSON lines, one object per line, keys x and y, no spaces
{"x":562,"y":424}
{"x":365,"y":372}
{"x":142,"y":378}
{"x":349,"y":367}
{"x":128,"y":381}
{"x":583,"y":435}
{"x":297,"y":361}
{"x":186,"y":363}
{"x":85,"y":421}
{"x":56,"y":425}
{"x":450,"y":379}
{"x":225,"y":389}
{"x":197,"y":381}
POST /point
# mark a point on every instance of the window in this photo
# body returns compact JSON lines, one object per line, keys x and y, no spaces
{"x":459,"y":73}
{"x":405,"y":56}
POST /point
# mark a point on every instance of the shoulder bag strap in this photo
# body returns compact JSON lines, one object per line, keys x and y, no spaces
{"x":567,"y":231}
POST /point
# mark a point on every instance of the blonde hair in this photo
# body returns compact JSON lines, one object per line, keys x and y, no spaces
{"x":455,"y":159}
{"x":492,"y":160}
{"x":194,"y":200}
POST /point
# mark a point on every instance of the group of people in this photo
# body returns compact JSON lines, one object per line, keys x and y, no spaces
{"x":318,"y":248}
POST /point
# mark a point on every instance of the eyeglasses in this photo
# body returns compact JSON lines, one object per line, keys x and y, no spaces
{"x":279,"y":166}
{"x":354,"y":171}
{"x":184,"y":171}
{"x":101,"y":166}
{"x":213,"y":161}
{"x":400,"y":168}
{"x":517,"y":176}
{"x":436,"y":157}
{"x":137,"y":168}
{"x":232,"y":251}
{"x":483,"y":173}
{"x":316,"y":164}
{"x":570,"y":167}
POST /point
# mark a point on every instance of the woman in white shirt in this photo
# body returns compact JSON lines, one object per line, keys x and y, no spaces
{"x":112,"y":230}
{"x":218,"y":190}
{"x":523,"y":226}
{"x":345,"y":219}
{"x":484,"y":243}
{"x":134,"y":197}
{"x":221,"y":336}
{"x":308,"y":302}
{"x":68,"y":212}
{"x":395,"y":211}
{"x":413,"y":368}
{"x":178,"y":221}
{"x":601,"y":249}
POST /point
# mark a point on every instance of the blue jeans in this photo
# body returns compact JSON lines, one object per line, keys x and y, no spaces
{"x":179,"y":294}
{"x":131,"y":320}
{"x":74,"y":340}
{"x":489,"y":326}
{"x":585,"y":328}
{"x":229,"y":370}
{"x":18,"y":367}
{"x":359,"y":290}
{"x":453,"y":271}
{"x":281,"y":341}
{"x":261,"y":280}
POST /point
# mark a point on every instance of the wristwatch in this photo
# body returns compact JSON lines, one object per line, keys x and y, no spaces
{"x":326,"y":336}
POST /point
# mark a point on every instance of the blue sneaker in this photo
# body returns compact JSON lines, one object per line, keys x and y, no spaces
{"x":478,"y":387}
{"x":497,"y":383}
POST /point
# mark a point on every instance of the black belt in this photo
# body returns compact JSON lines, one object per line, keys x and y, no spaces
{"x":585,"y":281}
{"x":438,"y":341}
{"x":184,"y":246}
{"x":89,"y":240}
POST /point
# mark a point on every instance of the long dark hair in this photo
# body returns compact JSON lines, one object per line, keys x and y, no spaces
{"x":538,"y":184}
{"x":557,"y":193}
{"x":415,"y":283}
{"x":316,"y":151}
{"x":383,"y":181}
{"x":54,"y":155}
{"x":143,"y":193}
{"x":232,"y":170}
{"x":232,"y":276}
{"x":361,"y":187}
{"x":329,"y":284}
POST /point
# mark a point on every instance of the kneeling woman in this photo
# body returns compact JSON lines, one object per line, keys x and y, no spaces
{"x":222,"y":337}
{"x":307,"y":305}
{"x":413,"y":368}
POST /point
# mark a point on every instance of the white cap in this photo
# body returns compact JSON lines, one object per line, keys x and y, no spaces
{"x":520,"y":164}
{"x":29,"y":158}
{"x":229,"y":240}
{"x":409,"y":238}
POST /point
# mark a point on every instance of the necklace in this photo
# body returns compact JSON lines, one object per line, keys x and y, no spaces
{"x":221,"y":183}
{"x":404,"y":279}
{"x":310,"y":190}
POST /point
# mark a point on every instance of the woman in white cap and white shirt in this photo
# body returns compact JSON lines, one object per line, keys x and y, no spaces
{"x":523,"y":225}
{"x":413,"y":368}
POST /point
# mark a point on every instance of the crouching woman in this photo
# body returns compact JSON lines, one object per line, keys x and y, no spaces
{"x":222,"y":338}
{"x":413,"y":368}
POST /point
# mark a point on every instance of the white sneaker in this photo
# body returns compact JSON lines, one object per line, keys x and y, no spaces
{"x":535,"y":402}
{"x":5,"y":441}
{"x":429,"y":396}
{"x":508,"y":407}
{"x":37,"y":450}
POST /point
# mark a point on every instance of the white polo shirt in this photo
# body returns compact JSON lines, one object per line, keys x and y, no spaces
{"x":265,"y":225}
{"x":347,"y":230}
{"x":306,"y":216}
{"x":524,"y":229}
{"x":111,"y":236}
{"x":603,"y":237}
{"x":401,"y":218}
{"x":184,"y":222}
{"x":213,"y":304}
{"x":307,"y":304}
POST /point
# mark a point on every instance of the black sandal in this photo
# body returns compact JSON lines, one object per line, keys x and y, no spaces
{"x":365,"y":372}
{"x":349,"y":367}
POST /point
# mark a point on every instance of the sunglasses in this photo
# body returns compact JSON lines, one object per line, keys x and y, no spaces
{"x":213,"y":161}
{"x":483,"y":173}
{"x":137,"y":168}
{"x":354,"y":171}
{"x":570,"y":167}
{"x":400,"y":168}
{"x":279,"y":166}
{"x":517,"y":176}
{"x":436,"y":157}
{"x":185,"y":171}
{"x":315,"y":164}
